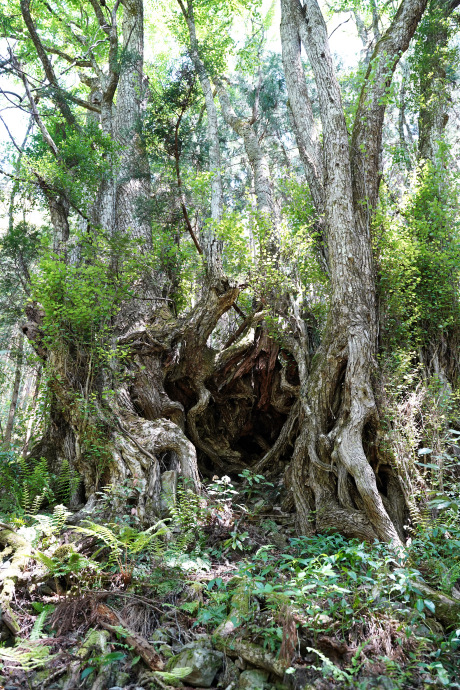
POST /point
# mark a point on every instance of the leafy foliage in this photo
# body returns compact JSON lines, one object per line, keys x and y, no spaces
{"x":420,"y":261}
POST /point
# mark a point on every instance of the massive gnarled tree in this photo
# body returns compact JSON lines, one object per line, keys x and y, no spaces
{"x":336,"y":454}
{"x":172,"y":394}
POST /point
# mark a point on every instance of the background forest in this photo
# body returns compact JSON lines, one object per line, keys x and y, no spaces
{"x":229,"y":323}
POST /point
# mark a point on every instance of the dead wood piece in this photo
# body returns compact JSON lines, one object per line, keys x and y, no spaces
{"x":59,"y":672}
{"x":447,"y":609}
{"x":10,"y":575}
{"x":111,"y":621}
{"x":10,"y":621}
{"x":251,"y":653}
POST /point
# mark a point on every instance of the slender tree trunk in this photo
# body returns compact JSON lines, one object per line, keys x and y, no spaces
{"x":257,"y":159}
{"x":15,"y":392}
{"x":211,"y":244}
{"x":402,"y":124}
{"x":32,"y":411}
{"x":440,"y":356}
{"x":434,"y":87}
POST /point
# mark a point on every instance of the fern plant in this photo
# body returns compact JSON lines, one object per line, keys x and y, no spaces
{"x":37,"y":630}
{"x":35,"y":485}
{"x":50,"y":525}
{"x":67,"y":482}
{"x":174,"y":675}
{"x":27,"y":658}
{"x":125,"y":544}
{"x":66,"y":563}
{"x":186,"y":515}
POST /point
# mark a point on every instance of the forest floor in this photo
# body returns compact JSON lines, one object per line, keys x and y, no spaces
{"x":222,"y":594}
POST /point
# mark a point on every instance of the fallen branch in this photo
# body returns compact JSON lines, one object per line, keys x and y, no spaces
{"x":447,"y":609}
{"x":111,"y":621}
{"x":251,"y":653}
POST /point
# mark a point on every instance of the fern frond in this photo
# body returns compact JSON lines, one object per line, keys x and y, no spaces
{"x":36,"y":633}
{"x":46,"y":560}
{"x":28,"y":658}
{"x":106,"y":535}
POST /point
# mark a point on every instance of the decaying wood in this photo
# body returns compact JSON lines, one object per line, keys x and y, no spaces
{"x":21,"y":552}
{"x":112,"y":622}
{"x":251,"y":653}
{"x":447,"y":609}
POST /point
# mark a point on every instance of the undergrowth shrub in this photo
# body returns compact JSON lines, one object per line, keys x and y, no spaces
{"x":26,"y":484}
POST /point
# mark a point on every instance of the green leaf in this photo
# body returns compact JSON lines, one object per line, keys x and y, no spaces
{"x":429,"y":605}
{"x":86,"y":672}
{"x":112,"y":657}
{"x":420,"y":605}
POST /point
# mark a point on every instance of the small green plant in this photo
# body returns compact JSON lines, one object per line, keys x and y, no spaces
{"x":67,"y":564}
{"x":48,"y":526}
{"x":254,"y":484}
{"x":124,"y":542}
{"x":236,"y":541}
{"x":345,"y":676}
{"x":187,"y":517}
{"x":26,"y":484}
{"x":37,"y":630}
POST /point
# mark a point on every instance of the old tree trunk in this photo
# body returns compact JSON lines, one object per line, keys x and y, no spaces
{"x":336,"y":454}
{"x":179,"y":404}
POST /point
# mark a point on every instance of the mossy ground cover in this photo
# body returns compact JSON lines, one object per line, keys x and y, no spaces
{"x":227,"y":572}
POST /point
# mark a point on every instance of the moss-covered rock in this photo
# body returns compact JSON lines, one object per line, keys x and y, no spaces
{"x":202,"y":659}
{"x":255,"y":679}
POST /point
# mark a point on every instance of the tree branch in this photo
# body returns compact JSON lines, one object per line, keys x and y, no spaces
{"x":299,"y":101}
{"x":366,"y":143}
{"x":47,"y":66}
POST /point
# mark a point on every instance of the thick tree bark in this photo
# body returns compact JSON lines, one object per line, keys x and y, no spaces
{"x":133,"y":180}
{"x":15,"y":392}
{"x":305,"y":130}
{"x":299,"y":101}
{"x":332,"y":454}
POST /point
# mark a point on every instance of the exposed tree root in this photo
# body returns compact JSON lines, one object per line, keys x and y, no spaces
{"x":282,"y":442}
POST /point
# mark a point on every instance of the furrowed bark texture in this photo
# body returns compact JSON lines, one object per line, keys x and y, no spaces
{"x":302,"y":115}
{"x":332,"y":454}
{"x":133,"y":183}
{"x":212,"y":246}
{"x":257,"y":160}
{"x":299,"y":101}
{"x":15,"y":392}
